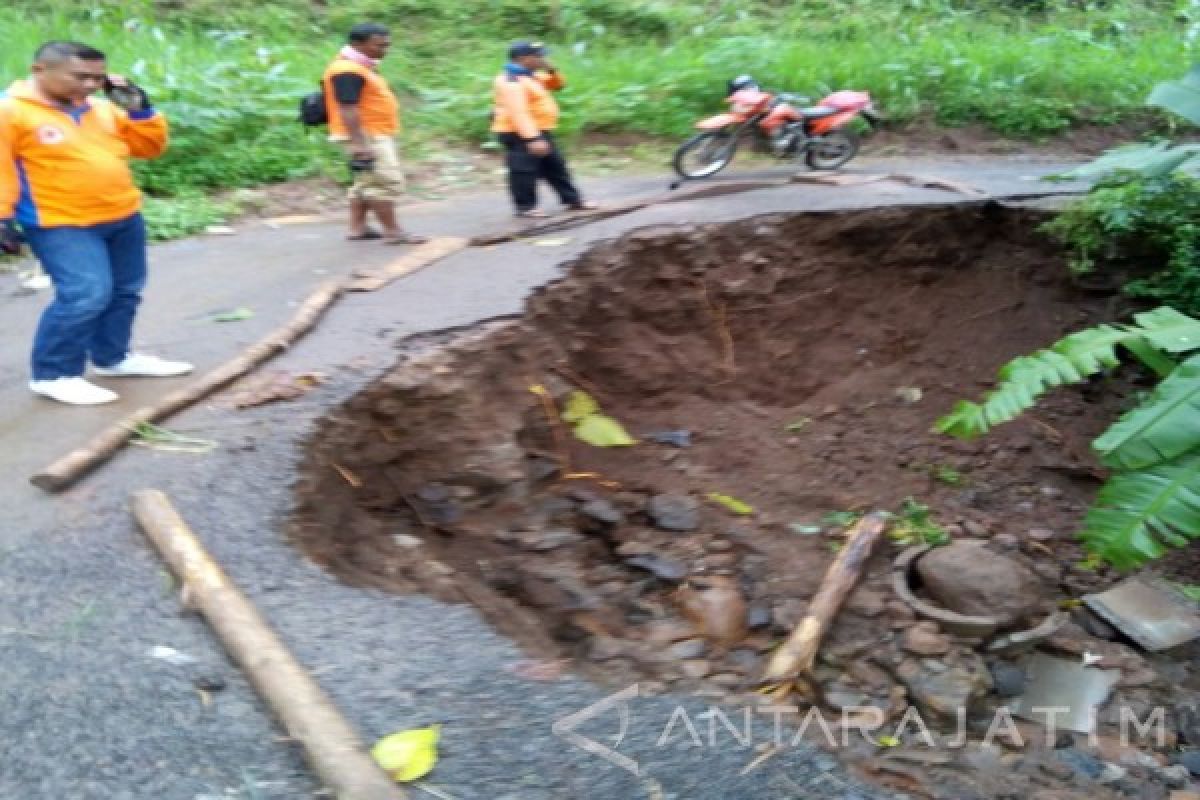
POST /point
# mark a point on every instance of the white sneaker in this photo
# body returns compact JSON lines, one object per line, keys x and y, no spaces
{"x":73,"y":391}
{"x":139,"y":365}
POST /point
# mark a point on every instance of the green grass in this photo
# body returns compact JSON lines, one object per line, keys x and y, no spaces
{"x":229,"y":72}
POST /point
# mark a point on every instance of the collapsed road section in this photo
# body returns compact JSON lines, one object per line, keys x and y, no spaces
{"x":650,"y":470}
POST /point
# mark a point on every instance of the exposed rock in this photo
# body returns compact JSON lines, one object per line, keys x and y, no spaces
{"x":842,"y":697}
{"x":438,"y":504}
{"x":1041,"y":534}
{"x":1006,"y":542}
{"x":550,"y":540}
{"x":634,"y":548}
{"x":867,"y":602}
{"x":943,"y":695}
{"x":744,"y":660}
{"x":1176,"y":777}
{"x":1191,"y":760}
{"x":720,"y":561}
{"x":1081,"y":763}
{"x":714,"y":604}
{"x":606,"y":648}
{"x":970,"y":579}
{"x":664,"y":569}
{"x":665,"y":631}
{"x":923,"y":639}
{"x":1187,"y":723}
{"x":1086,"y":619}
{"x":1007,"y":679}
{"x":899,"y":612}
{"x":758,"y":617}
{"x":1112,"y":774}
{"x":599,"y":516}
{"x":686,"y":650}
{"x":695,"y":668}
{"x":674,"y":512}
{"x":975,"y":529}
{"x":786,"y":613}
{"x":868,"y":675}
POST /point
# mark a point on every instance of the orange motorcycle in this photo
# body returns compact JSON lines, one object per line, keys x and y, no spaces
{"x":779,"y":124}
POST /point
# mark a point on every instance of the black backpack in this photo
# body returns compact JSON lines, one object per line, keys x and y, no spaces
{"x":312,"y":109}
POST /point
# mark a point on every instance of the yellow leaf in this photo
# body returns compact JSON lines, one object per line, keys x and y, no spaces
{"x":887,"y":741}
{"x":731,"y":503}
{"x":408,"y":755}
{"x":601,"y":431}
{"x":551,"y":242}
{"x":579,"y":405}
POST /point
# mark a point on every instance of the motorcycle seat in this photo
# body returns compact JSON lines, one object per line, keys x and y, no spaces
{"x":817,"y":112}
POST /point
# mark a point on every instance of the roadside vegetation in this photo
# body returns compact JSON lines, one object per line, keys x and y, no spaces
{"x":230,"y":71}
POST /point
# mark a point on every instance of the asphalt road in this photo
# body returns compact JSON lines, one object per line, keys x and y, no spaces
{"x":87,"y":712}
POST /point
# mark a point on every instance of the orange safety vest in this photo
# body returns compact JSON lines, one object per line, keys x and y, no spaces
{"x":377,"y":107}
{"x":524,"y":104}
{"x":71,"y":167}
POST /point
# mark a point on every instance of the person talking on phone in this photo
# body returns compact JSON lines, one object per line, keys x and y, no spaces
{"x":66,"y":189}
{"x":524,"y":117}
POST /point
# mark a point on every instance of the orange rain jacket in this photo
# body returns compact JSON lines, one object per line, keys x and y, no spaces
{"x":60,"y":168}
{"x":524,"y":104}
{"x":378,"y":108}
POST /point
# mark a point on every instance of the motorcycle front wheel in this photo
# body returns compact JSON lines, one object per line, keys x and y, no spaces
{"x":831,"y":150}
{"x":705,"y":154}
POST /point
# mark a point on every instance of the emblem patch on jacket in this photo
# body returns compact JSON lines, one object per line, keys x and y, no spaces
{"x":50,"y":134}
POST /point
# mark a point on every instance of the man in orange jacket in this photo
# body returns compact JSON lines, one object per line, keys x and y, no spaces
{"x":524,"y":117}
{"x":364,"y":117}
{"x":64,"y":178}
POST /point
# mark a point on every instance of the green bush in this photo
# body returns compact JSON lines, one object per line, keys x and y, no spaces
{"x":1151,"y":501}
{"x":230,"y":72}
{"x":1149,"y":225}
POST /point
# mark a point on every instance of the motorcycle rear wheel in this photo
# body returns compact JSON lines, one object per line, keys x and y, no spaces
{"x":705,"y":154}
{"x":832,"y":150}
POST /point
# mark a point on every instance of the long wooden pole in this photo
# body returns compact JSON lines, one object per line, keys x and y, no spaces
{"x":793,"y":661}
{"x":74,"y":465}
{"x":334,"y":749}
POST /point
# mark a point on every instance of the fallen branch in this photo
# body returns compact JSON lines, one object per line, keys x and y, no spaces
{"x":793,"y":662}
{"x":71,"y":467}
{"x":333,"y":748}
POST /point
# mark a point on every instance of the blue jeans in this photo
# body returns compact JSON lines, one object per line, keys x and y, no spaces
{"x":98,"y":273}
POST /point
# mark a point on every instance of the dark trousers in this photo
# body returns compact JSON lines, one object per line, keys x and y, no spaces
{"x":524,"y":170}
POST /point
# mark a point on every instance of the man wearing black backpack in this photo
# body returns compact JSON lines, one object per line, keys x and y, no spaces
{"x":364,"y":118}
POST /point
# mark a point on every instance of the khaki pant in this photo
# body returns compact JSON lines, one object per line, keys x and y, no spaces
{"x":385,"y":181}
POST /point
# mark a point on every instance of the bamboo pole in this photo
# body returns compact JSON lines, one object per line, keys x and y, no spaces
{"x":74,"y":465}
{"x":793,"y":661}
{"x":333,"y":748}
{"x":419,"y":258}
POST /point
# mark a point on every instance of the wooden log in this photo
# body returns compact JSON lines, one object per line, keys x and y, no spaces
{"x":420,"y":257}
{"x":562,"y":223}
{"x":792,"y":663}
{"x":334,"y":749}
{"x":71,"y":467}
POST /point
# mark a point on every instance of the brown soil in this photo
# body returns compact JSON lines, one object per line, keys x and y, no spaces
{"x":790,"y":347}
